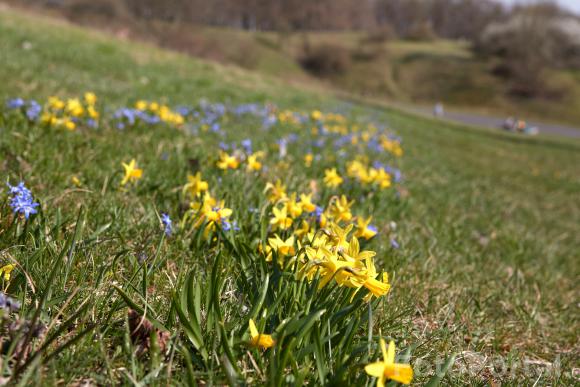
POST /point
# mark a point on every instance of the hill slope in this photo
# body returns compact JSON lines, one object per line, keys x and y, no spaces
{"x":487,"y":222}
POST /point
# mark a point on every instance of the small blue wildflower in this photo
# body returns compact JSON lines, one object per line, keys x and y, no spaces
{"x":394,"y":244}
{"x":247,"y":145}
{"x":216,"y":128}
{"x":15,"y":103}
{"x":22,"y":201}
{"x":166,"y":220}
{"x":182,"y":110}
{"x":33,"y":110}
{"x":223,"y":146}
{"x":318,"y":213}
{"x":292,"y":137}
{"x":91,"y":123}
{"x":227,"y":226}
{"x":8,"y":303}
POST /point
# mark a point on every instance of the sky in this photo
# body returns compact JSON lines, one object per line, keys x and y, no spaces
{"x":573,"y":5}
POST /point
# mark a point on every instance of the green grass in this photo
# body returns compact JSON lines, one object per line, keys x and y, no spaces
{"x":488,"y":224}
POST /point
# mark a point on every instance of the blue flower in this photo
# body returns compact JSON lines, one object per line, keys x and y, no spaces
{"x":227,"y":226}
{"x":394,"y":244}
{"x":247,"y":145}
{"x":15,"y":103}
{"x":91,"y":123}
{"x":166,"y":220}
{"x":8,"y":303}
{"x":33,"y":110}
{"x":22,"y":201}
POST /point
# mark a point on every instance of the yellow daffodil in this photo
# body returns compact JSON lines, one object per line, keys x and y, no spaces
{"x":392,"y":146}
{"x":227,"y":162}
{"x":293,"y":207}
{"x":316,"y":115}
{"x":253,"y":163}
{"x":141,"y":105}
{"x":92,"y":113}
{"x":332,"y":178}
{"x":383,"y":179}
{"x":132,"y":173}
{"x":195,"y":185}
{"x":340,"y":209}
{"x":280,"y":219}
{"x":303,"y":230}
{"x":6,"y":270}
{"x":75,"y":180}
{"x":377,"y":288}
{"x":388,"y":369}
{"x":306,"y":203}
{"x":55,"y":103}
{"x":284,"y":248}
{"x":364,"y":229}
{"x":277,"y":191}
{"x":74,"y":107}
{"x":260,"y":340}
{"x":90,"y":98}
{"x":68,"y":124}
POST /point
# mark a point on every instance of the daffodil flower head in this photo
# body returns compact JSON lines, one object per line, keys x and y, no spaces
{"x":6,"y":271}
{"x":227,"y":162}
{"x":365,"y":229}
{"x":132,"y":173}
{"x":195,"y":185}
{"x":281,"y":219}
{"x":277,"y":191}
{"x":260,"y":340}
{"x":332,"y":179}
{"x":388,"y":369}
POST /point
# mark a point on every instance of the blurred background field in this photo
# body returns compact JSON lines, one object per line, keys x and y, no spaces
{"x":412,"y":52}
{"x":489,"y":227}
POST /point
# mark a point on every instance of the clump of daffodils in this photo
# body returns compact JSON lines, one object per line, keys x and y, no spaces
{"x":322,"y":242}
{"x":71,"y":113}
{"x":368,"y":175}
{"x":204,"y":209}
{"x":160,"y":111}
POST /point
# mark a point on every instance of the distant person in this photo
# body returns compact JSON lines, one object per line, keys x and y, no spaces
{"x":509,"y":123}
{"x":438,"y":110}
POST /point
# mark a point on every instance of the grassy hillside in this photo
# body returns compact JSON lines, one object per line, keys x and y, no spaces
{"x":411,"y":72}
{"x":487,"y":225}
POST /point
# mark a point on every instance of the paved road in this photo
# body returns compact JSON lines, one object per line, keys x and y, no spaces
{"x":496,"y":123}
